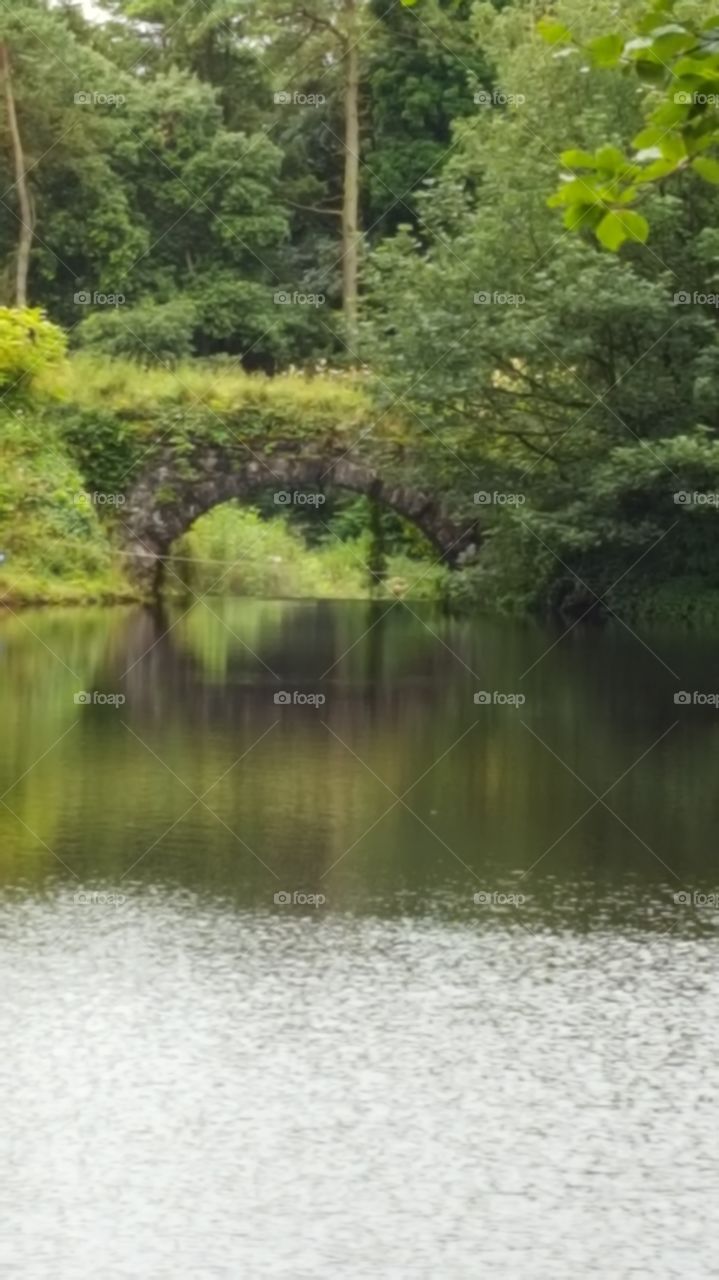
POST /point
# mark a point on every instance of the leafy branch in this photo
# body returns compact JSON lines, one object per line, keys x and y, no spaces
{"x":679,"y":64}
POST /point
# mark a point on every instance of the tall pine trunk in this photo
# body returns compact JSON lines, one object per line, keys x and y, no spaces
{"x":26,"y":217}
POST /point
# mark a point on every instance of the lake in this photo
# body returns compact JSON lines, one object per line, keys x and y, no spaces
{"x":352,"y":940}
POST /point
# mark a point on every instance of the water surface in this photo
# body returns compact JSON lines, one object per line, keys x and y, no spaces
{"x":396,"y":985}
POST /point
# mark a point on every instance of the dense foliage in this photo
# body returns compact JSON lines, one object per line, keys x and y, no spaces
{"x":182,"y":201}
{"x":678,"y":60}
{"x":582,"y":385}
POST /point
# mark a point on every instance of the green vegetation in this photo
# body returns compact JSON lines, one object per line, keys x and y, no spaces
{"x":585,"y":383}
{"x":674,"y":52}
{"x":239,"y":551}
{"x":336,"y":227}
{"x":53,"y":546}
{"x":28,"y":345}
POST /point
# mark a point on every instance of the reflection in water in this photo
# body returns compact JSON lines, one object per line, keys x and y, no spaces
{"x":399,"y":1081}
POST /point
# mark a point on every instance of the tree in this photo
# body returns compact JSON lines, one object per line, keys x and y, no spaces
{"x":128,"y":184}
{"x":323,"y":38}
{"x":577,"y":384}
{"x":421,"y":71}
{"x":676,"y":60}
{"x":64,"y":206}
{"x":26,"y":214}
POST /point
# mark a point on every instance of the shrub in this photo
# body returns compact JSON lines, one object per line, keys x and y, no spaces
{"x":28,"y":344}
{"x":152,"y":333}
{"x":53,"y":543}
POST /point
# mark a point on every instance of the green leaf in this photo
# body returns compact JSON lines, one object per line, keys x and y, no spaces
{"x":670,"y":41}
{"x":578,"y":215}
{"x":647,"y":138}
{"x":707,"y":168}
{"x":611,"y":159}
{"x":701,"y":67}
{"x":552,"y":32}
{"x":657,"y":16}
{"x":616,"y":227}
{"x":610,"y":232}
{"x":606,"y":50}
{"x":578,"y":159}
{"x":651,"y":72}
{"x":575,"y":191}
{"x":658,"y":170}
{"x":636,"y":225}
{"x":628,"y":196}
{"x":673,"y":147}
{"x":673,"y":113}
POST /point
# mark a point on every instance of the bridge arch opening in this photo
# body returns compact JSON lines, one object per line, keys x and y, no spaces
{"x":176,"y":492}
{"x":331,"y":545}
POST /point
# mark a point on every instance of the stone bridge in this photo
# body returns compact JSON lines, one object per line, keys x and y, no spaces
{"x":176,"y":488}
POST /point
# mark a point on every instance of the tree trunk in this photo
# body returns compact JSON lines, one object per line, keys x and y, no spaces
{"x":26,"y":216}
{"x":350,"y":198}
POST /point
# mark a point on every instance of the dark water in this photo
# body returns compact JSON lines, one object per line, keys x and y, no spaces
{"x":480,"y":1039}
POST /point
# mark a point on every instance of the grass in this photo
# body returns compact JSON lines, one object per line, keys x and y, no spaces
{"x":239,"y":553}
{"x":291,"y":403}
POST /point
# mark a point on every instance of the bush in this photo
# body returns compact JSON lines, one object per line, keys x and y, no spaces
{"x":28,"y":344}
{"x":152,"y":333}
{"x":53,"y":544}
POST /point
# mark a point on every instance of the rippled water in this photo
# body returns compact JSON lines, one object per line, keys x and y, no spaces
{"x":382,"y":1076}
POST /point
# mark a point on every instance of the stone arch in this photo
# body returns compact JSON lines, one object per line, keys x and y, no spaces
{"x":173,"y":492}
